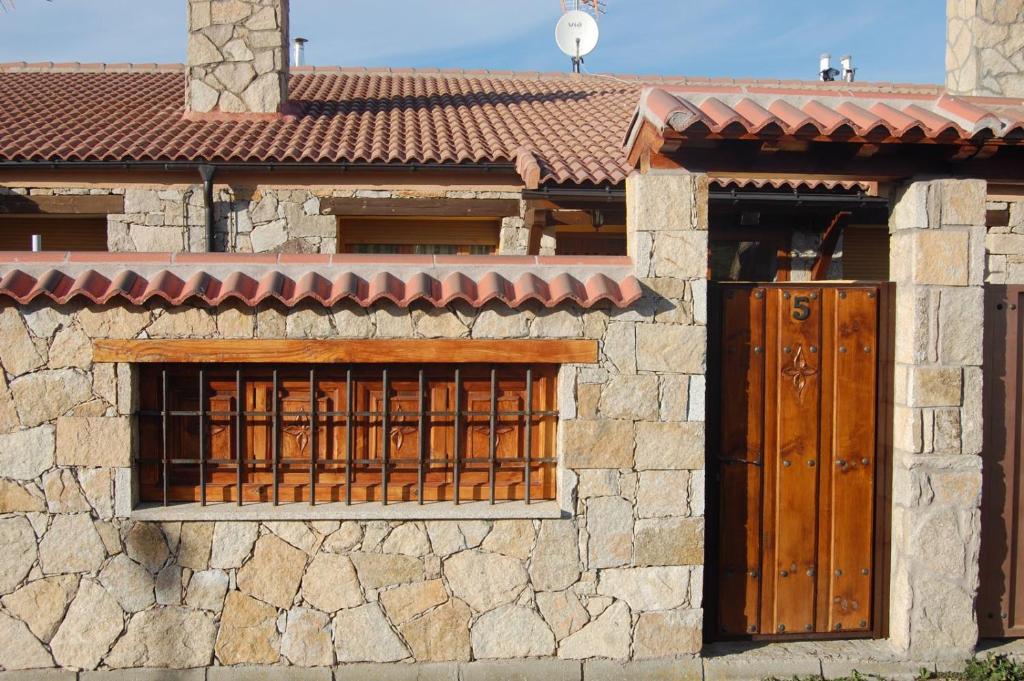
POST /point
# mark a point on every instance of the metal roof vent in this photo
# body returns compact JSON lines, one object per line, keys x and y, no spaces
{"x":825,"y":70}
{"x":299,"y":52}
{"x":849,"y":71}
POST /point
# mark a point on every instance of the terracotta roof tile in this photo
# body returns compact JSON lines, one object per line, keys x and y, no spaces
{"x":177,"y":279}
{"x":823,"y":111}
{"x":556,"y":128}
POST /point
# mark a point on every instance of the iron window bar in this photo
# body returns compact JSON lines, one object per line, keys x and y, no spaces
{"x":387,"y":416}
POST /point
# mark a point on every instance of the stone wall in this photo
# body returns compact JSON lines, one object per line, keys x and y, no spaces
{"x":260,"y":219}
{"x":83,"y":585}
{"x":983,"y":47}
{"x":1004,"y":244}
{"x":937,"y":262}
{"x":237,"y":56}
{"x":269,"y":219}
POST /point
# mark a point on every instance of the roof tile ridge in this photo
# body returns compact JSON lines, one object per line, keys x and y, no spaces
{"x":88,"y":67}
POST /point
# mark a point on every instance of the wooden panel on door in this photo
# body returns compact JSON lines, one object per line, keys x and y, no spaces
{"x":799,"y":461}
{"x":851,"y":468}
{"x":1000,"y":593}
{"x":740,"y":460}
{"x":792,"y":458}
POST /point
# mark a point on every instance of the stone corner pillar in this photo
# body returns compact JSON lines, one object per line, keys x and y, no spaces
{"x":937,"y":262}
{"x":237,"y":56}
{"x":514,"y":236}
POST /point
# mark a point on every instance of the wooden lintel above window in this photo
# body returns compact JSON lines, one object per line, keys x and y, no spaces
{"x":446,"y":351}
{"x":16,"y":204}
{"x":439,"y":207}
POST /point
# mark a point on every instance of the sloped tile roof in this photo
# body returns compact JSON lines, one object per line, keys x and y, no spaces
{"x":573,"y":127}
{"x":323,"y":279}
{"x":557,"y":128}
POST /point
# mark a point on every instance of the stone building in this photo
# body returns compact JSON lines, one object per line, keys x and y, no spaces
{"x":332,"y":373}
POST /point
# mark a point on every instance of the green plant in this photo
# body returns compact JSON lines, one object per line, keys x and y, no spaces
{"x":993,"y":668}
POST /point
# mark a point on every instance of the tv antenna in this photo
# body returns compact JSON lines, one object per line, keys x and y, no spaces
{"x":577,"y":33}
{"x":595,"y":7}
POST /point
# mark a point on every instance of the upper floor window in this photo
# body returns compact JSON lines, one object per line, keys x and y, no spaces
{"x":64,"y":223}
{"x":361,"y":433}
{"x":419,"y":236}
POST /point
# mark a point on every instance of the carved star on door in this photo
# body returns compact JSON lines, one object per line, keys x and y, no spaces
{"x":799,"y":371}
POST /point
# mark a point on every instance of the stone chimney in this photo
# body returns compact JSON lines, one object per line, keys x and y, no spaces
{"x":237,"y":56}
{"x":985,"y":47}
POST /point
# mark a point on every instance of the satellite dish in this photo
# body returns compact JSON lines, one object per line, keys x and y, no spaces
{"x":576,"y":35}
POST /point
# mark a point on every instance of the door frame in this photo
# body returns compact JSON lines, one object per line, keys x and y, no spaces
{"x":882,"y":512}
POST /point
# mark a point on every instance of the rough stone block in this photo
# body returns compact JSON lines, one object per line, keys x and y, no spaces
{"x":663,"y":493}
{"x":681,"y":255}
{"x":669,"y":541}
{"x":46,"y":395}
{"x":935,"y":386}
{"x":522,"y":670}
{"x":971,"y":423}
{"x":248,"y":632}
{"x":910,"y":207}
{"x":961,"y":202}
{"x":556,"y":556}
{"x":597,"y":444}
{"x":941,"y":257}
{"x":666,"y":201}
{"x":667,"y":634}
{"x":607,"y":636}
{"x":26,"y":454}
{"x":1007,"y":244}
{"x":268,"y":673}
{"x":44,"y":675}
{"x":916,"y":306}
{"x":684,"y":669}
{"x":166,"y":638}
{"x":485,"y":580}
{"x":670,"y":446}
{"x":440,"y":671}
{"x":648,"y":588}
{"x":907,"y":425}
{"x":94,"y":441}
{"x":756,"y":668}
{"x":892,"y":670}
{"x":630,"y":397}
{"x":610,"y":526}
{"x":673,"y":349}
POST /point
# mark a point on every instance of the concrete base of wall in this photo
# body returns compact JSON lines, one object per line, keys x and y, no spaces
{"x":725,"y":662}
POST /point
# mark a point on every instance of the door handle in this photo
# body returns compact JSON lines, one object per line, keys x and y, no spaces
{"x":746,"y":461}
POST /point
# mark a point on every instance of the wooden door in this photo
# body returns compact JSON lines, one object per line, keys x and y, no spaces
{"x":799,"y":459}
{"x":1001,"y":592}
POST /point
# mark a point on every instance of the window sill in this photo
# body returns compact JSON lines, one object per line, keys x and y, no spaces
{"x":473,"y":510}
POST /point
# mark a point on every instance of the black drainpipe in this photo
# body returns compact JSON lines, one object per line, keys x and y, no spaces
{"x":207,"y":172}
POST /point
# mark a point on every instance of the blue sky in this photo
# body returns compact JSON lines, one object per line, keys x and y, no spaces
{"x":901,"y":41}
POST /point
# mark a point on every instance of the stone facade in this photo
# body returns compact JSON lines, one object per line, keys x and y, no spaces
{"x":984,"y":44}
{"x":937,"y":262}
{"x":84,"y":585}
{"x":260,"y":219}
{"x":1004,"y":244}
{"x":237,"y":56}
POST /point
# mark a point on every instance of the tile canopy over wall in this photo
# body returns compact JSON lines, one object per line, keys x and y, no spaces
{"x":323,"y":279}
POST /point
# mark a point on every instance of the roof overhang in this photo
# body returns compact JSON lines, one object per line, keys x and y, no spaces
{"x":838,"y":125}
